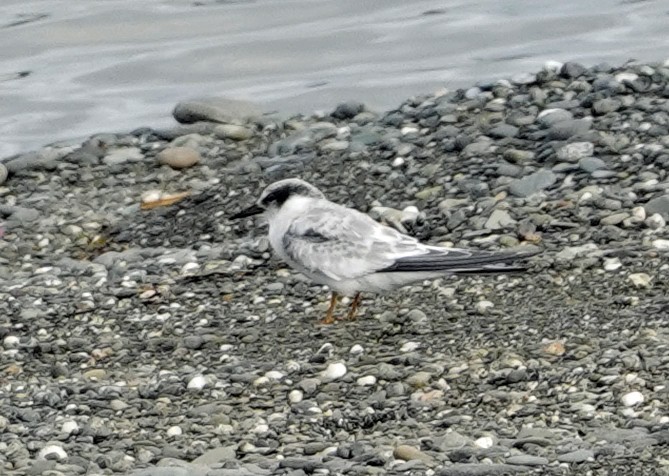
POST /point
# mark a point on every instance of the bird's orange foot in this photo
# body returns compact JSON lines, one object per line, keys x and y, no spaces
{"x":353,"y":311}
{"x":329,"y":316}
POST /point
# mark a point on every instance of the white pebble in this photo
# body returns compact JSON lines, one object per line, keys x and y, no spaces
{"x":190,"y":267}
{"x":639,"y":212}
{"x":632,"y":398}
{"x":655,"y":222}
{"x":260,"y":381}
{"x":174,"y":431}
{"x":585,"y":197}
{"x":612,"y":264}
{"x":69,"y":426}
{"x":274,"y":375}
{"x":52,"y":452}
{"x":483,"y":306}
{"x":333,"y":372}
{"x":661,"y":244}
{"x":409,"y":347}
{"x":149,"y":293}
{"x":260,"y":429}
{"x":11,"y":342}
{"x":640,"y":280}
{"x":295,"y":396}
{"x":151,"y":196}
{"x":484,"y":442}
{"x":366,"y":380}
{"x":626,"y":77}
{"x":398,"y":162}
{"x":552,"y":65}
{"x":357,"y":349}
{"x":409,"y":130}
{"x":197,"y":383}
{"x":410,"y":214}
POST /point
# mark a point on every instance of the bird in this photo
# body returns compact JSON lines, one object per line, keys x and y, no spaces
{"x":351,"y":253}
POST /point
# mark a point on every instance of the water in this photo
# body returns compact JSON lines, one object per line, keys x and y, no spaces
{"x":70,"y":68}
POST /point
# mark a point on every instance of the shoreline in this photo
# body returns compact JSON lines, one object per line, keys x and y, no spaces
{"x":143,"y":333}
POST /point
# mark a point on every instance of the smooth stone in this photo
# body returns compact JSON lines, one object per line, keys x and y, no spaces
{"x":499,"y":219}
{"x":533,"y":183}
{"x":217,"y":455}
{"x":571,"y":252}
{"x":626,"y":77}
{"x":335,"y":146}
{"x":233,"y":131}
{"x":660,"y":244}
{"x":356,"y":349}
{"x":477,"y":469}
{"x":4,"y":173}
{"x":419,"y":379}
{"x":174,"y":431}
{"x":197,"y":383}
{"x":429,"y":193}
{"x":658,"y":205}
{"x":572,"y":70}
{"x":591,"y":164}
{"x":348,"y":110}
{"x":518,"y":156}
{"x":523,"y":78}
{"x":575,"y":151}
{"x":295,"y":396}
{"x":615,"y":219}
{"x":187,"y":470}
{"x":639,"y":280}
{"x":484,"y":442}
{"x":215,"y":109}
{"x":606,"y":105}
{"x":178,"y":157}
{"x":483,"y":306}
{"x":123,"y":155}
{"x":69,"y":427}
{"x":632,"y":398}
{"x":503,"y":130}
{"x":655,"y":222}
{"x":566,"y":129}
{"x":527,"y":460}
{"x":97,"y":374}
{"x":578,"y":456}
{"x":52,"y":452}
{"x":549,"y":117}
{"x":366,"y":381}
{"x":409,"y":453}
{"x":334,"y":371}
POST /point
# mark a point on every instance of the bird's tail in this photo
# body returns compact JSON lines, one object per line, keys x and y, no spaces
{"x":460,"y":261}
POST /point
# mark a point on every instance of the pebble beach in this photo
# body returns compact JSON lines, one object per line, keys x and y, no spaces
{"x":143,"y":333}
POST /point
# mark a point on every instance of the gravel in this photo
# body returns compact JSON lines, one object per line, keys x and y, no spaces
{"x":143,"y":333}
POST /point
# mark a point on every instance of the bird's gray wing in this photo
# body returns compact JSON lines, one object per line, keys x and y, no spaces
{"x":342,"y":243}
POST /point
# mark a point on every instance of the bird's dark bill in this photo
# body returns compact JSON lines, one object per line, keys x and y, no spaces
{"x":250,"y":211}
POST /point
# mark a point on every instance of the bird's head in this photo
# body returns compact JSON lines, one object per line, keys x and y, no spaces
{"x":275,"y":195}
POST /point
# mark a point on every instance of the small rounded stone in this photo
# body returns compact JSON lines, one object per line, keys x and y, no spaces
{"x":179,"y":157}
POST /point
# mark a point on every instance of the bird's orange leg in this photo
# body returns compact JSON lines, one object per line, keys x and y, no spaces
{"x":353,"y":310}
{"x":329,"y":316}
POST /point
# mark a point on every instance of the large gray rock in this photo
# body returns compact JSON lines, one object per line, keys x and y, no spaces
{"x":482,"y":469}
{"x":213,"y":109}
{"x":563,"y":130}
{"x":658,"y":205}
{"x":531,"y":184}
